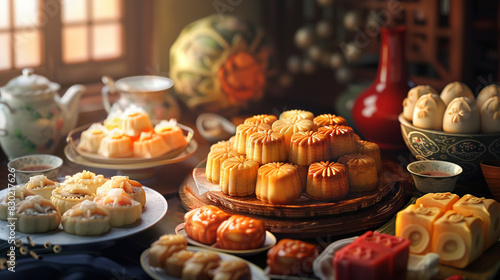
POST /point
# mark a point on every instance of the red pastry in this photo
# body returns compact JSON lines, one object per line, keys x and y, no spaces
{"x":241,"y":233}
{"x":201,"y":223}
{"x":291,"y":257}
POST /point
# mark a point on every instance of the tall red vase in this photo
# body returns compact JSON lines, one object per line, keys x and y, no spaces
{"x":375,"y":111}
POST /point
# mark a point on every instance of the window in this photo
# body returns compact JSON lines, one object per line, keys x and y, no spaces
{"x":71,"y":41}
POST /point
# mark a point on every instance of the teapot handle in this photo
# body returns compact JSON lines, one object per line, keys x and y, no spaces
{"x":105,"y":98}
{"x":8,"y":107}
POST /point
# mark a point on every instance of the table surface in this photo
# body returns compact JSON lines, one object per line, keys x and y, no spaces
{"x":123,"y":254}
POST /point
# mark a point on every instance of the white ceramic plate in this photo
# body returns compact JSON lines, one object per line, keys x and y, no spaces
{"x":159,"y":274}
{"x":74,"y":138}
{"x":268,"y":243}
{"x":154,"y":210}
{"x":419,"y":267}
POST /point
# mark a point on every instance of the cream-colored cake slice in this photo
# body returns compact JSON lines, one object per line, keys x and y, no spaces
{"x":266,"y":146}
{"x":238,"y":176}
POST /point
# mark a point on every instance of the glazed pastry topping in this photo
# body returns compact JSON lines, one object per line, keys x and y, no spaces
{"x":40,"y":181}
{"x":268,"y":119}
{"x":87,"y":210}
{"x":35,"y":205}
{"x":76,"y":191}
{"x":165,"y":125}
{"x":114,"y":198}
{"x":308,"y":138}
{"x":441,"y":196}
{"x":326,"y":169}
{"x":118,"y":182}
{"x":329,"y":119}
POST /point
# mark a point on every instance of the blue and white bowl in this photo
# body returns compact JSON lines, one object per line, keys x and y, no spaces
{"x":434,"y":184}
{"x":18,"y":166}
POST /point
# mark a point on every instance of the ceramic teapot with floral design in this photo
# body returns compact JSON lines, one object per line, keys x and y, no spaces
{"x":33,"y":117}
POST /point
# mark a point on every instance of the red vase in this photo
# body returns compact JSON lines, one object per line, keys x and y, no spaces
{"x":375,"y":111}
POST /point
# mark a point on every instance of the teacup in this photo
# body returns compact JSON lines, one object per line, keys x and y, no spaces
{"x":32,"y":165}
{"x":433,"y":176}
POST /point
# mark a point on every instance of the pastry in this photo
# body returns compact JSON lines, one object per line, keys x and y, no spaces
{"x":462,"y":116}
{"x":165,"y":247}
{"x":135,"y":120}
{"x":429,"y":111}
{"x":86,"y":218}
{"x":290,"y":257}
{"x":12,"y":199}
{"x":266,"y":146}
{"x":308,"y":147}
{"x":201,"y":223}
{"x":454,"y":90}
{"x":243,"y":131}
{"x":232,"y":270}
{"x":278,"y":183}
{"x":302,"y":170}
{"x":91,"y":138}
{"x":150,"y":145}
{"x":267,"y":119}
{"x":341,"y":140}
{"x":486,"y":93}
{"x":116,"y":145}
{"x":86,"y":178}
{"x":200,"y":265}
{"x":370,"y":149}
{"x":131,"y":187}
{"x":171,"y":133}
{"x":295,"y":115}
{"x":443,"y":201}
{"x":328,"y":120}
{"x":490,"y":115}
{"x":238,"y":176}
{"x":41,"y":185}
{"x":361,"y":172}
{"x":327,"y":181}
{"x":215,"y":159}
{"x":70,"y":195}
{"x":289,"y":127}
{"x":221,"y":145}
{"x":122,"y":209}
{"x":241,"y":233}
{"x":36,"y":215}
{"x":413,"y":95}
{"x":113,"y":120}
{"x":175,"y":263}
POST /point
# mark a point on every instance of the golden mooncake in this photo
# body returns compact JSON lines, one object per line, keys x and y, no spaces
{"x":295,"y":115}
{"x":361,"y":172}
{"x":41,"y":185}
{"x":86,"y":178}
{"x":327,"y":181}
{"x":266,"y":146}
{"x":308,"y":147}
{"x":341,"y":140}
{"x":215,"y":159}
{"x":278,"y":183}
{"x":328,"y":120}
{"x":243,"y":131}
{"x":70,"y":195}
{"x":201,"y":223}
{"x":267,"y":119}
{"x":238,"y":176}
{"x":370,"y":149}
{"x":241,"y":233}
{"x":289,"y":127}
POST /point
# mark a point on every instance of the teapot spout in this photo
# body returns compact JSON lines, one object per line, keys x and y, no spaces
{"x":69,"y":103}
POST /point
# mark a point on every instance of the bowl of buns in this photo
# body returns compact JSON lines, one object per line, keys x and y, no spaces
{"x":453,"y":125}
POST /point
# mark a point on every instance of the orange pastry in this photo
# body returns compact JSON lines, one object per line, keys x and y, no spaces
{"x":150,"y":145}
{"x":341,"y":140}
{"x":272,"y":177}
{"x":295,"y":115}
{"x":116,"y":145}
{"x":122,"y":209}
{"x":267,"y":119}
{"x":171,"y":133}
{"x":135,"y":120}
{"x":266,"y":146}
{"x":241,"y":233}
{"x":291,"y":257}
{"x":308,"y":147}
{"x":288,"y":127}
{"x":327,"y":181}
{"x":201,"y":223}
{"x":329,"y":119}
{"x":243,"y":131}
{"x":238,"y":176}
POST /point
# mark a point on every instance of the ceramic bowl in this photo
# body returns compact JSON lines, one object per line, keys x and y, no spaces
{"x":433,"y":176}
{"x":491,"y":172}
{"x":28,"y":166}
{"x":467,"y":150}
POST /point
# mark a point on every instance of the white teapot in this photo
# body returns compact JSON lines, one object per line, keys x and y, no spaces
{"x":33,"y":117}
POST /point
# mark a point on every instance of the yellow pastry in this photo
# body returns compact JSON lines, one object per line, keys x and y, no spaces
{"x":243,"y":131}
{"x":361,"y":172}
{"x":271,"y":181}
{"x":289,"y":127}
{"x":308,"y":147}
{"x":131,"y":187}
{"x":327,"y":181}
{"x":135,"y":120}
{"x":328,"y":120}
{"x":86,"y":218}
{"x":116,"y":145}
{"x":341,"y":140}
{"x":122,"y":209}
{"x":150,"y":145}
{"x":215,"y":159}
{"x":171,"y":133}
{"x":91,"y":138}
{"x":267,"y":119}
{"x":70,"y":195}
{"x":266,"y":146}
{"x":164,"y":247}
{"x":86,"y":178}
{"x":175,"y":263}
{"x":40,"y":185}
{"x":295,"y":115}
{"x":370,"y":149}
{"x":238,"y":176}
{"x":36,"y":215}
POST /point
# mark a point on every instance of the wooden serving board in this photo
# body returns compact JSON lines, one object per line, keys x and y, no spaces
{"x":304,"y":207}
{"x":346,"y":221}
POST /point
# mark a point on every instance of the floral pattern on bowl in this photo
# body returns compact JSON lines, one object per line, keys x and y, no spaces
{"x":467,"y":150}
{"x":22,"y":176}
{"x":432,"y":184}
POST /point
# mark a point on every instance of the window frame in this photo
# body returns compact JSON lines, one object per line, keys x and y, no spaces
{"x":137,"y":28}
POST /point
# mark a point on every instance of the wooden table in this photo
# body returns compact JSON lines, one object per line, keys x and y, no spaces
{"x":167,"y":181}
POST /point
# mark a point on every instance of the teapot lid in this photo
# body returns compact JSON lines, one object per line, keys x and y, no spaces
{"x":29,"y":83}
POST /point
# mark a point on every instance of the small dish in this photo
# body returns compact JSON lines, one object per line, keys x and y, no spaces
{"x":159,"y":274}
{"x":491,"y":173}
{"x":268,"y":243}
{"x":419,"y":267}
{"x":40,"y":164}
{"x":434,"y":175}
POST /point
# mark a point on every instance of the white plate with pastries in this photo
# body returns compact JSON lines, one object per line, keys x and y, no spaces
{"x":155,"y":208}
{"x":75,"y":135}
{"x":160,"y":274}
{"x":269,"y":242}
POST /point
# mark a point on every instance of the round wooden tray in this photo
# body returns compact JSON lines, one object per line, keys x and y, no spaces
{"x":303,"y":207}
